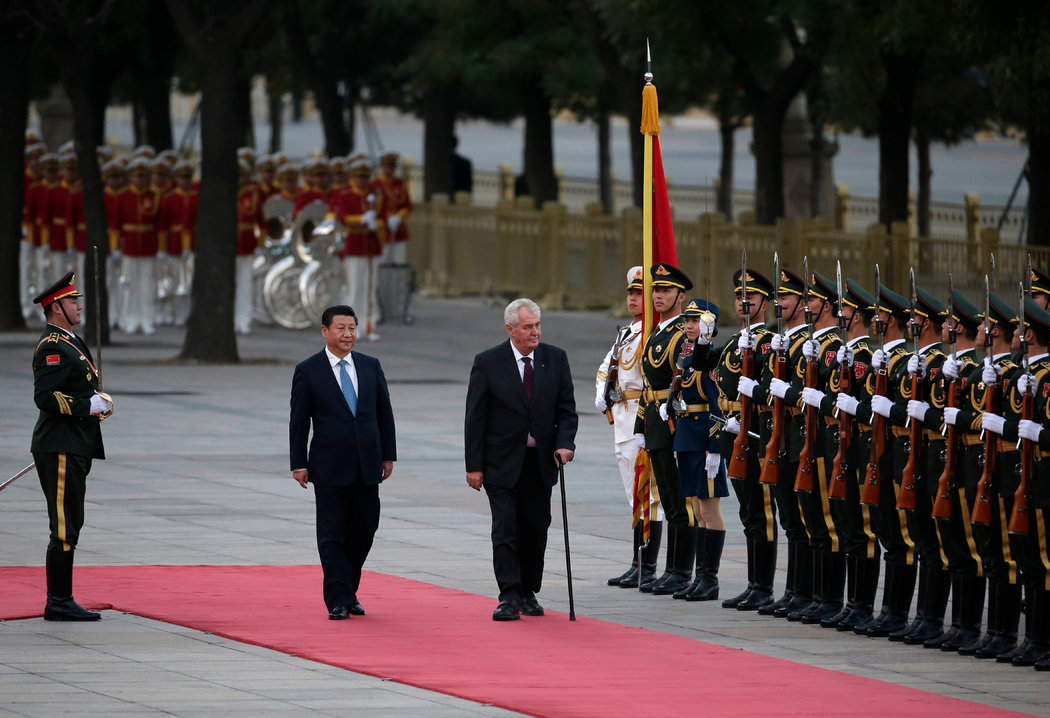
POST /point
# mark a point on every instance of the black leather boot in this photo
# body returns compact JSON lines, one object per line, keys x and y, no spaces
{"x":707,"y":590}
{"x":734,"y":602}
{"x":807,"y":596}
{"x":968,"y":593}
{"x":1037,"y":632}
{"x":682,"y":559}
{"x":992,"y":630}
{"x":833,"y":584}
{"x":940,"y":583}
{"x":60,"y":604}
{"x":897,"y":593}
{"x":952,"y":631}
{"x":920,"y":608}
{"x":761,"y":594}
{"x":650,"y":556}
{"x":850,"y":595}
{"x":632,"y":572}
{"x":779,"y":607}
{"x":1007,"y":604}
{"x":701,"y":535}
{"x":867,"y":582}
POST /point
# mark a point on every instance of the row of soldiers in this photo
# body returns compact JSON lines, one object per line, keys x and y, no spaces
{"x":152,"y":211}
{"x":871,"y":426}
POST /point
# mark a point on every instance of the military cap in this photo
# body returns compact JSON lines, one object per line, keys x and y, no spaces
{"x":67,"y":159}
{"x":288,"y":168}
{"x":37,"y":149}
{"x":696,"y":307}
{"x":927,"y":305}
{"x":858,"y":297}
{"x":791,"y":283}
{"x":390,"y":158}
{"x":183,"y":168}
{"x":1000,"y":311}
{"x":359,"y":166}
{"x":892,"y":302}
{"x":964,"y":312}
{"x":32,"y":137}
{"x":668,"y":275}
{"x":246,"y":153}
{"x":49,"y":159}
{"x":1040,"y":281}
{"x":104,"y":153}
{"x":160,"y":166}
{"x":64,"y":287}
{"x":315,"y":164}
{"x":756,"y":282}
{"x":823,"y":287}
{"x":244,"y":167}
{"x":67,"y":146}
{"x":169,"y":156}
{"x":144,"y":151}
{"x":113,"y":167}
{"x":280,"y":158}
{"x":635,"y":277}
{"x":338,"y":164}
{"x":1035,"y":316}
{"x":267,"y":162}
{"x":140,"y":164}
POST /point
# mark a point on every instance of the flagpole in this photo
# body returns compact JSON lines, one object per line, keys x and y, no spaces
{"x":650,"y":126}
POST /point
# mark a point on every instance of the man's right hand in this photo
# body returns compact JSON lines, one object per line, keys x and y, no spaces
{"x":599,"y":404}
{"x":475,"y":479}
{"x":301,"y":476}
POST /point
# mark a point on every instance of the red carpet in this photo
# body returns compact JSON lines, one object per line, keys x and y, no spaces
{"x":443,"y":640}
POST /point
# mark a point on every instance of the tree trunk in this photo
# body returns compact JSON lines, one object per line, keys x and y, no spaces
{"x":605,"y":181}
{"x":922,"y":151}
{"x":209,"y":330}
{"x":16,"y":39}
{"x":138,"y":123}
{"x":1039,"y":187}
{"x":726,"y":130}
{"x":439,"y":125}
{"x":539,"y":145}
{"x":894,"y":126}
{"x":769,"y":163}
{"x":816,"y":173}
{"x":242,"y":104}
{"x":155,"y":99}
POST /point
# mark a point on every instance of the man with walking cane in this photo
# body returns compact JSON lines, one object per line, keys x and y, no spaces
{"x":520,"y":426}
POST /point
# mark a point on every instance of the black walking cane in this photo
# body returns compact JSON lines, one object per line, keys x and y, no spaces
{"x":565,"y":528}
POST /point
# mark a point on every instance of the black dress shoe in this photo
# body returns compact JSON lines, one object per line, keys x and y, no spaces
{"x":506,"y":611}
{"x":66,"y":609}
{"x":338,"y":613}
{"x":532,"y":607}
{"x":355,"y":609}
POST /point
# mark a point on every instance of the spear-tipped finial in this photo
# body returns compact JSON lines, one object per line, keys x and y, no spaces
{"x":648,"y":64}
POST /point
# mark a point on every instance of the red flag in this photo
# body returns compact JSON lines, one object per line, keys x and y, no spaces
{"x":663,"y":231}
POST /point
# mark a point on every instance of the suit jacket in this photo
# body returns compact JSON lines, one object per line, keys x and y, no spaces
{"x":343,"y":446}
{"x":499,"y":420}
{"x":64,"y":380}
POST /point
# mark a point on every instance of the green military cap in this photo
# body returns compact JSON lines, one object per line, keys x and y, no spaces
{"x":1035,"y":316}
{"x":756,"y":282}
{"x":791,"y":283}
{"x":1040,"y":281}
{"x":964,"y":312}
{"x":858,"y":297}
{"x":927,"y":305}
{"x":823,"y":287}
{"x":696,"y":308}
{"x":1000,"y":311}
{"x":893,"y":302}
{"x":665,"y":274}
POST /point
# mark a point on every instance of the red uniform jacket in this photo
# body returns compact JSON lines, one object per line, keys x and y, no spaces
{"x":177,"y":221}
{"x":76,"y":221}
{"x":396,"y":202}
{"x":306,"y":195}
{"x":250,"y":223}
{"x":31,"y":211}
{"x":348,"y":206}
{"x":135,"y":221}
{"x":52,"y":219}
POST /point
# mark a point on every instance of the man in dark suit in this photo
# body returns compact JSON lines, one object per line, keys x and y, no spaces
{"x":520,"y":421}
{"x":343,"y":395}
{"x":66,"y":438}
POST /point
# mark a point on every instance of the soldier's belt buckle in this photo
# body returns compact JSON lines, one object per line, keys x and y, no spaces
{"x":679,"y":406}
{"x":615,"y":395}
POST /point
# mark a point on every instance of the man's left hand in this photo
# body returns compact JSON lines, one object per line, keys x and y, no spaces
{"x":388,"y":468}
{"x":301,"y":476}
{"x":564,"y":454}
{"x":475,"y":479}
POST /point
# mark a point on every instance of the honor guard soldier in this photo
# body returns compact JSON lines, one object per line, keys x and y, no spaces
{"x":853,"y":519}
{"x":52,"y":218}
{"x":659,"y":366}
{"x":267,"y":169}
{"x":146,"y":151}
{"x":340,"y":169}
{"x":398,"y":207}
{"x":701,"y":471}
{"x":40,"y":213}
{"x":288,"y":181}
{"x":251,"y":229}
{"x":1023,"y":387}
{"x":67,"y":437}
{"x":30,"y":241}
{"x":135,"y":223}
{"x":757,"y":508}
{"x":75,"y":218}
{"x":115,"y":178}
{"x":1040,"y":282}
{"x":176,"y":225}
{"x":313,"y":189}
{"x":618,"y":387}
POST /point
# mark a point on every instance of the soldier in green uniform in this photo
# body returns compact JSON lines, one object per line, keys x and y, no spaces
{"x":66,"y":438}
{"x":659,"y":362}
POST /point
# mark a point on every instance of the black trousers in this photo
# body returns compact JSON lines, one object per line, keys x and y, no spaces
{"x":63,"y":477}
{"x":521,"y":516}
{"x":347,"y":519}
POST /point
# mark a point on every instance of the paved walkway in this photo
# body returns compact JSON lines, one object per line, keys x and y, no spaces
{"x":197,"y":474}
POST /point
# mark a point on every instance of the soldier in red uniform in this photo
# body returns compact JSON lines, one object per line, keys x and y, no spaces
{"x":75,"y":220}
{"x":340,"y":167}
{"x":360,"y":209}
{"x":288,"y":181}
{"x":27,"y":274}
{"x":267,"y":168}
{"x":251,"y":229}
{"x":115,"y":178}
{"x":314,"y":184}
{"x":42,"y":214}
{"x":397,"y":205}
{"x":135,"y":222}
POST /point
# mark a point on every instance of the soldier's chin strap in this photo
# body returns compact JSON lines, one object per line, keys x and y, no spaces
{"x":794,"y":310}
{"x":823,"y":306}
{"x":63,"y":308}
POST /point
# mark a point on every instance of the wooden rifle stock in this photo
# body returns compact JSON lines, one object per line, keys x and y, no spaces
{"x":737,"y":468}
{"x":1019,"y":516}
{"x":982,"y":507}
{"x":840,"y":466}
{"x":872,"y":477}
{"x":610,"y":384}
{"x":942,"y":506}
{"x":906,"y":499}
{"x":807,"y":458}
{"x":770,"y":469}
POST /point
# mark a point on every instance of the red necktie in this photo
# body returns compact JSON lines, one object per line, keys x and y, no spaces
{"x":527,"y":378}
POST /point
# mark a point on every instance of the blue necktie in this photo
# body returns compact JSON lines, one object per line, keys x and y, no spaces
{"x":348,"y":387}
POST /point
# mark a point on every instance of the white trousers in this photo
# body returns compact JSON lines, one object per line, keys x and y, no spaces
{"x":395,"y":253}
{"x":140,"y":295}
{"x":361,"y":291}
{"x":242,"y":300}
{"x":115,"y":290}
{"x":626,"y":451}
{"x":26,"y":276}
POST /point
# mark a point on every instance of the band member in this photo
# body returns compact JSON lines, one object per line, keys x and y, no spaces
{"x":66,"y":439}
{"x":267,"y":169}
{"x":30,"y":241}
{"x":115,"y":178}
{"x":313,"y":189}
{"x":75,"y":219}
{"x":398,"y":207}
{"x":624,"y":357}
{"x":288,"y":181}
{"x":251,"y":230}
{"x":135,"y":222}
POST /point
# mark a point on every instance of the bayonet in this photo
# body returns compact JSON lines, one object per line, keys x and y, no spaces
{"x":880,"y":326}
{"x":952,"y":328}
{"x":805,"y":295}
{"x":777,"y":309}
{"x":995,"y":275}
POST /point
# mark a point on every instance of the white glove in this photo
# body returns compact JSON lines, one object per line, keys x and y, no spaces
{"x":990,"y":373}
{"x":746,"y":341}
{"x":746,"y":386}
{"x":917,"y":409}
{"x":881,"y":405}
{"x":706,"y":331}
{"x":1026,"y":384}
{"x":916,"y":365}
{"x":713,"y":464}
{"x":369,"y":219}
{"x":778,"y":388}
{"x":599,"y":404}
{"x":844,"y":355}
{"x":878,"y":359}
{"x":847,"y":404}
{"x":813,"y":397}
{"x":993,"y":423}
{"x":810,"y":350}
{"x":393,"y":222}
{"x":663,"y":412}
{"x":43,"y":250}
{"x":950,"y":368}
{"x":950,"y":412}
{"x":71,"y":250}
{"x":732,"y":425}
{"x":778,"y":342}
{"x":639,"y":441}
{"x":1028,"y":429}
{"x":162,"y":255}
{"x":114,"y":254}
{"x":99,"y":405}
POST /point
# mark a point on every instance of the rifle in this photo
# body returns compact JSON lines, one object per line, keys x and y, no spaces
{"x":677,"y":406}
{"x":807,"y":457}
{"x":1019,"y":517}
{"x":737,"y":468}
{"x":982,"y":507}
{"x":942,"y":506}
{"x":906,"y":499}
{"x":840,"y":465}
{"x":612,"y":393}
{"x":769,"y":473}
{"x":869,"y":496}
